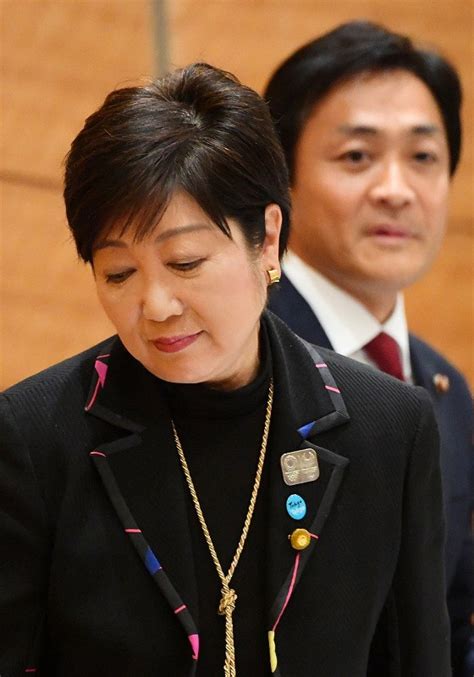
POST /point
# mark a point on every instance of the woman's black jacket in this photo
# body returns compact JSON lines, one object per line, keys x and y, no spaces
{"x":96,"y":569}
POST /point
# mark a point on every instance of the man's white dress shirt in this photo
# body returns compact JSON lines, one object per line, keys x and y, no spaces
{"x":347,"y":323}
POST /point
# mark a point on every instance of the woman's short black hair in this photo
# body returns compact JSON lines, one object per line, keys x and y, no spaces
{"x":196,"y":130}
{"x":352,"y":48}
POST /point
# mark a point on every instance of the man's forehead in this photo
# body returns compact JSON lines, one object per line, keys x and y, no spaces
{"x":368,"y":99}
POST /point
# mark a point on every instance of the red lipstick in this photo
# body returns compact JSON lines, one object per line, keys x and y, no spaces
{"x":173,"y":344}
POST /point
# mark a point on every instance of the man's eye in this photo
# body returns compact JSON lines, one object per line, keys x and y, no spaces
{"x":117,"y":278}
{"x":425,"y":157}
{"x":185,"y":266}
{"x":355,"y":156}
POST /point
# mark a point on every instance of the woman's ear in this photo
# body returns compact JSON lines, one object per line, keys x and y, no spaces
{"x":270,"y":258}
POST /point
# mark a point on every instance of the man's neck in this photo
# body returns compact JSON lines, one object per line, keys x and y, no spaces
{"x":379,"y":305}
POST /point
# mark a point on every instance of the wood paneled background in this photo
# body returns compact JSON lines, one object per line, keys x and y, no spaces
{"x":59,"y":60}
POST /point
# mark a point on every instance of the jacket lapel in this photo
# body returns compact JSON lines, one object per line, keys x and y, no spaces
{"x":141,"y":474}
{"x":307,"y":397}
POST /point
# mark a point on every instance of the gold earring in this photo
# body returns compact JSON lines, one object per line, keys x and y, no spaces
{"x":273,"y":276}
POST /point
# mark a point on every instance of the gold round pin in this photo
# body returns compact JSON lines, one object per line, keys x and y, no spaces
{"x":300,"y":539}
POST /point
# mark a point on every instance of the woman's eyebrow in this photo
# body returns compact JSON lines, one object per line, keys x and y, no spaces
{"x":103,"y":244}
{"x":172,"y":232}
{"x":165,"y":235}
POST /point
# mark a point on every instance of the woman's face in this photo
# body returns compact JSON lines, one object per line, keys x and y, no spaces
{"x":186,"y":300}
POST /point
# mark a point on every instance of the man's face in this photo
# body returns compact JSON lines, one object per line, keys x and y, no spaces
{"x":371,"y":182}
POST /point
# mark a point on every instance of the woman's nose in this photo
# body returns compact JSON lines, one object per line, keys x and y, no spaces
{"x":392,"y":187}
{"x":160,"y":303}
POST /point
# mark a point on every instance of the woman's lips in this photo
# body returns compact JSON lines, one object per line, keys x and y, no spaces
{"x":173,"y":344}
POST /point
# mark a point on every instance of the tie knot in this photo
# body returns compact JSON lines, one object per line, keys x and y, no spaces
{"x":384,"y":351}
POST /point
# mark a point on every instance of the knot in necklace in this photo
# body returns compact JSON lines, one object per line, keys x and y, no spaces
{"x":228,"y":595}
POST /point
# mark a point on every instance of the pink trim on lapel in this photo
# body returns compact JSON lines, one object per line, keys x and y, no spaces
{"x":101,"y":370}
{"x":290,"y":590}
{"x":194,"y":639}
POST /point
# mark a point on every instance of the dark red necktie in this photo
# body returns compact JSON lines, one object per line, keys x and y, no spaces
{"x":384,"y":351}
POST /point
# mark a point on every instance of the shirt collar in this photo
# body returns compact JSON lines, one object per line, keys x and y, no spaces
{"x":347,"y":322}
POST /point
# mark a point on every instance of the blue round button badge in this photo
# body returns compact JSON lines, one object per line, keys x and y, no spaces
{"x":296,"y":507}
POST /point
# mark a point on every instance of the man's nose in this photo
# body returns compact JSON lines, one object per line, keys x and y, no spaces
{"x":160,"y":302}
{"x":392,"y":187}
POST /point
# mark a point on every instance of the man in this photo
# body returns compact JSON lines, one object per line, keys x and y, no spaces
{"x":370,"y":125}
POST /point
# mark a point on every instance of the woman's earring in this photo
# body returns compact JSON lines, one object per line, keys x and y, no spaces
{"x":273,"y":276}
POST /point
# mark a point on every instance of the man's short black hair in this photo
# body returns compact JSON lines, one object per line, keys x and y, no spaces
{"x":352,"y":48}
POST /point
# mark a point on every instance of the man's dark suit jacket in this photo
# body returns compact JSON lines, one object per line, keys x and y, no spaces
{"x":453,"y":411}
{"x":97,"y":574}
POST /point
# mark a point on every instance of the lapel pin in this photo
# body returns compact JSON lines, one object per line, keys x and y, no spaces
{"x":300,"y":539}
{"x":299,"y":466}
{"x":296,"y":506}
{"x":441,"y":383}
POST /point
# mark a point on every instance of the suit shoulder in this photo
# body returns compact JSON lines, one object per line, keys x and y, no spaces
{"x":432,"y":361}
{"x":70,"y":370}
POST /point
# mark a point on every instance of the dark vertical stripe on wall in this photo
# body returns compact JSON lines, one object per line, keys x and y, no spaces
{"x":160,"y":36}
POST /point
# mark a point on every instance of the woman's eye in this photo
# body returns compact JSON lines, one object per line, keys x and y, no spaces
{"x":117,"y":278}
{"x":185,"y":266}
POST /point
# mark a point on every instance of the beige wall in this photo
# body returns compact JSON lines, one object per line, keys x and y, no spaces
{"x":60,"y":58}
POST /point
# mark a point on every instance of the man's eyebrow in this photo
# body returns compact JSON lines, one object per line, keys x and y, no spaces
{"x":354,"y":130}
{"x":368,"y":130}
{"x":425,"y":130}
{"x":165,"y":235}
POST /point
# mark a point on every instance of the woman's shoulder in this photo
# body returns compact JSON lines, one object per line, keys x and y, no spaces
{"x":64,"y":376}
{"x":378,"y":402}
{"x":362,"y":387}
{"x":363,"y":380}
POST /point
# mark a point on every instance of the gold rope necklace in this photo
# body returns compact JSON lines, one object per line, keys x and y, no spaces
{"x":228,"y":595}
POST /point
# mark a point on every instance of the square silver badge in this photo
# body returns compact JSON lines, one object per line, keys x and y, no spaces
{"x":300,"y":466}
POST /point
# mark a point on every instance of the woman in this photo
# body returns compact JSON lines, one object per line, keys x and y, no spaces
{"x":205,"y":493}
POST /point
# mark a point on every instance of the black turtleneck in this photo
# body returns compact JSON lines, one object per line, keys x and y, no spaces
{"x":221,"y":434}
